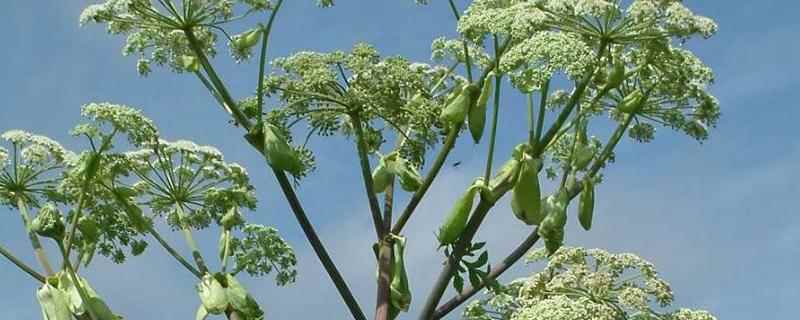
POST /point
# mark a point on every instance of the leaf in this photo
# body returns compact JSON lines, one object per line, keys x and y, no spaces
{"x":54,"y":303}
{"x":482,"y":260}
{"x":477,"y":246}
{"x":202,"y":313}
{"x":458,"y":283}
{"x":474,"y":278}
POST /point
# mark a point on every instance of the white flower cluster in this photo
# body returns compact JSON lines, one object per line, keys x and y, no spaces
{"x":3,"y":156}
{"x":580,"y":283}
{"x":36,"y":149}
{"x":518,"y":19}
{"x":535,"y":60}
{"x":122,"y":118}
{"x":671,"y":15}
{"x":443,"y":48}
{"x":595,"y":8}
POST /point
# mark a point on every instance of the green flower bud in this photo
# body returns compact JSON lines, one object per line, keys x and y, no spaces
{"x":190,"y":63}
{"x":241,"y":300}
{"x":456,"y":111}
{"x":400,"y":296}
{"x":586,"y":204}
{"x":279,"y":154}
{"x":477,"y":114}
{"x":247,"y":40}
{"x":232,"y":218}
{"x":552,"y":227}
{"x":410,"y":179}
{"x":616,"y":75}
{"x":49,"y":223}
{"x":526,"y":195}
{"x":632,"y":102}
{"x":456,"y":221}
{"x":584,"y":154}
{"x":381,"y":177}
{"x":212,"y":295}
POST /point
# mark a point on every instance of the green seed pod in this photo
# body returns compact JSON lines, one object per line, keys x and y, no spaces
{"x":247,"y":40}
{"x":526,"y":195}
{"x":632,"y":102}
{"x":190,"y":63}
{"x":508,"y":173}
{"x":279,"y":154}
{"x":400,"y":297}
{"x":586,"y":204}
{"x":381,"y":178}
{"x":212,"y":295}
{"x":49,"y":223}
{"x":54,"y":303}
{"x":477,"y":114}
{"x":232,"y":219}
{"x":456,"y":221}
{"x":456,"y":111}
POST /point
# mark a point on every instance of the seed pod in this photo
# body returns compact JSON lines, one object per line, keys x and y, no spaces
{"x":381,"y":178}
{"x":552,"y":227}
{"x":508,"y":173}
{"x":49,"y":223}
{"x":477,"y":114}
{"x":455,"y":112}
{"x":279,"y":154}
{"x":586,"y":204}
{"x":190,"y":63}
{"x":54,"y":303}
{"x":212,"y":295}
{"x":526,"y":195}
{"x":456,"y":221}
{"x":400,"y":296}
{"x":632,"y":102}
{"x":247,"y":40}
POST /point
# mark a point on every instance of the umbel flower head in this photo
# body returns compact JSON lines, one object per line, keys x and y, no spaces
{"x":182,"y":178}
{"x":30,"y":167}
{"x":590,"y":284}
{"x":387,"y":93}
{"x":158,"y":31}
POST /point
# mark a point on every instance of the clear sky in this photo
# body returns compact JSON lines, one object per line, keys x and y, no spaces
{"x":719,"y":220}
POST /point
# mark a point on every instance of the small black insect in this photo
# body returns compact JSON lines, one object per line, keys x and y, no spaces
{"x":456,"y":164}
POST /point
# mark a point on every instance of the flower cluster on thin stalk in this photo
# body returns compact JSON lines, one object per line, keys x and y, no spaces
{"x":30,"y":168}
{"x":589,"y":284}
{"x":157,"y":30}
{"x":390,"y":95}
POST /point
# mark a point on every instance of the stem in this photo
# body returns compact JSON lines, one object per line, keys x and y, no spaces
{"x":467,"y":59}
{"x":459,"y":249}
{"x":495,"y":116}
{"x":24,"y":267}
{"x":81,"y":290}
{"x":562,"y":117}
{"x":230,"y":104}
{"x":263,"y":59}
{"x":449,"y":142}
{"x":226,"y":251}
{"x":41,"y":256}
{"x":174,"y":253}
{"x":187,"y":234}
{"x":496,"y":271}
{"x":318,"y":247}
{"x":383,"y":303}
{"x":542,"y":106}
{"x":366,"y":173}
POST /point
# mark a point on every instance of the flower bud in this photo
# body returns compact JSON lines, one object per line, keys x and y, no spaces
{"x":400,"y":296}
{"x":189,"y":63}
{"x":526,"y":195}
{"x":586,"y":204}
{"x":552,"y":227}
{"x":632,"y":102}
{"x":232,"y":219}
{"x":48,"y":223}
{"x":212,"y":295}
{"x":54,"y":303}
{"x":279,"y":154}
{"x":247,"y":40}
{"x":381,"y":178}
{"x":477,"y":114}
{"x":456,"y":111}
{"x":456,"y":221}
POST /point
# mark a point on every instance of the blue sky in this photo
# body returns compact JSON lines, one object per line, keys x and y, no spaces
{"x":718,"y":219}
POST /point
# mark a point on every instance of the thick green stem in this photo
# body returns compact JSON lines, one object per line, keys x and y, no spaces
{"x":366,"y":174}
{"x":495,"y":118}
{"x":21,"y":265}
{"x":540,"y":118}
{"x":187,"y":234}
{"x":226,"y":251}
{"x":41,"y":256}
